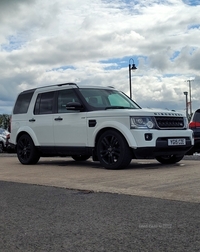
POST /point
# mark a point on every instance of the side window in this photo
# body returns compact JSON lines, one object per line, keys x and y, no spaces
{"x":65,"y":96}
{"x":96,"y":101}
{"x":22,"y":103}
{"x":94,"y":97}
{"x":44,"y":103}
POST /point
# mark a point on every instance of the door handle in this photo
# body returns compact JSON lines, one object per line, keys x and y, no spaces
{"x":58,"y":119}
{"x":32,"y":120}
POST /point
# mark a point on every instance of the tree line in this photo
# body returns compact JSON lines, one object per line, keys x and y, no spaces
{"x":5,"y":121}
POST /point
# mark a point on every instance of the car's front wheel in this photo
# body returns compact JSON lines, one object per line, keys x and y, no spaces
{"x":26,"y":150}
{"x":113,"y":151}
{"x":169,"y":159}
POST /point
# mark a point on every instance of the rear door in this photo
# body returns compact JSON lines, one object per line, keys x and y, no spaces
{"x":42,"y":120}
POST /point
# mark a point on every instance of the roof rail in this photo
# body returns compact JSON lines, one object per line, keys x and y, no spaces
{"x":59,"y":85}
{"x":70,"y":83}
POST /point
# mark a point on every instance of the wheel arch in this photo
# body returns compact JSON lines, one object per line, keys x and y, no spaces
{"x":29,"y":132}
{"x":121,"y":128}
{"x":106,"y":129}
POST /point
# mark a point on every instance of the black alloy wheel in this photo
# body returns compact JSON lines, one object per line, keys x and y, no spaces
{"x":26,"y":150}
{"x":169,"y":159}
{"x":113,"y":151}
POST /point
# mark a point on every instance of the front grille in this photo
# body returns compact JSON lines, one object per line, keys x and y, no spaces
{"x":165,"y":122}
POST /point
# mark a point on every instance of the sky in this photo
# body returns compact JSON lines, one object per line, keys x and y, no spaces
{"x":92,"y":42}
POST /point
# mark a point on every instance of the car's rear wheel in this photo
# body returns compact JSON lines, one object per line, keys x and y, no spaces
{"x":26,"y":150}
{"x":169,"y":159}
{"x":80,"y":157}
{"x":113,"y":151}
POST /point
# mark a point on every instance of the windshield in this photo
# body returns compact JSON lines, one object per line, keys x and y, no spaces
{"x":107,"y":99}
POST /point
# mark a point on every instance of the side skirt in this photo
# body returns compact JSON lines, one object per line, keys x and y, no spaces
{"x":48,"y":151}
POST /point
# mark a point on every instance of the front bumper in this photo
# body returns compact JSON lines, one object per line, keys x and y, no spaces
{"x":162,"y":148}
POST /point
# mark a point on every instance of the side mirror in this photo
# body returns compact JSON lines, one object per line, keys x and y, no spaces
{"x":74,"y":106}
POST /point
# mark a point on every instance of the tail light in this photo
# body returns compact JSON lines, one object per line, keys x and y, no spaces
{"x":194,"y":125}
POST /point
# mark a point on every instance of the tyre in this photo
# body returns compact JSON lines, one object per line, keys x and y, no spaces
{"x":113,"y":151}
{"x":80,"y":157}
{"x":169,"y":159}
{"x":1,"y":147}
{"x":26,"y":150}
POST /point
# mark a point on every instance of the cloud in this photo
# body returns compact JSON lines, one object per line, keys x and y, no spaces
{"x":91,"y":42}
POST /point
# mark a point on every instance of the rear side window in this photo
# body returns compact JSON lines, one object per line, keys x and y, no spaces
{"x":22,"y":103}
{"x":44,"y":103}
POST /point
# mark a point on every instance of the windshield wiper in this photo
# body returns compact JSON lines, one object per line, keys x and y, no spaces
{"x":119,"y":107}
{"x":115,"y":107}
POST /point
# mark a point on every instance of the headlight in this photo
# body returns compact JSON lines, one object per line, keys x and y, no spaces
{"x":142,"y":122}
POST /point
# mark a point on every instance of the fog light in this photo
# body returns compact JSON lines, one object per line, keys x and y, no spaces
{"x":148,"y":136}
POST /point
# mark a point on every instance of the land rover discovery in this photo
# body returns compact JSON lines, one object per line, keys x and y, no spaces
{"x":99,"y":122}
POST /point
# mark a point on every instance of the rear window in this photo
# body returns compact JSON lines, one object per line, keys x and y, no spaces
{"x":196,"y":117}
{"x":22,"y":103}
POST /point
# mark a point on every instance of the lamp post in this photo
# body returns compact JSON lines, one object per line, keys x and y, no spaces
{"x":131,"y":67}
{"x":186,"y":103}
{"x":190,"y":94}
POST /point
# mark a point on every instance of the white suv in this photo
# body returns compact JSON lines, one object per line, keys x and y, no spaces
{"x":84,"y":121}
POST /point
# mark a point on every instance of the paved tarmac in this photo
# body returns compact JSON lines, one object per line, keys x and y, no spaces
{"x":49,"y":219}
{"x":142,"y":178}
{"x":38,"y":211}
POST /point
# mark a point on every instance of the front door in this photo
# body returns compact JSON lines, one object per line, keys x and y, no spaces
{"x":69,"y":126}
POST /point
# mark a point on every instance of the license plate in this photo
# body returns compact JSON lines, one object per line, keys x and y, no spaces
{"x":177,"y":141}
